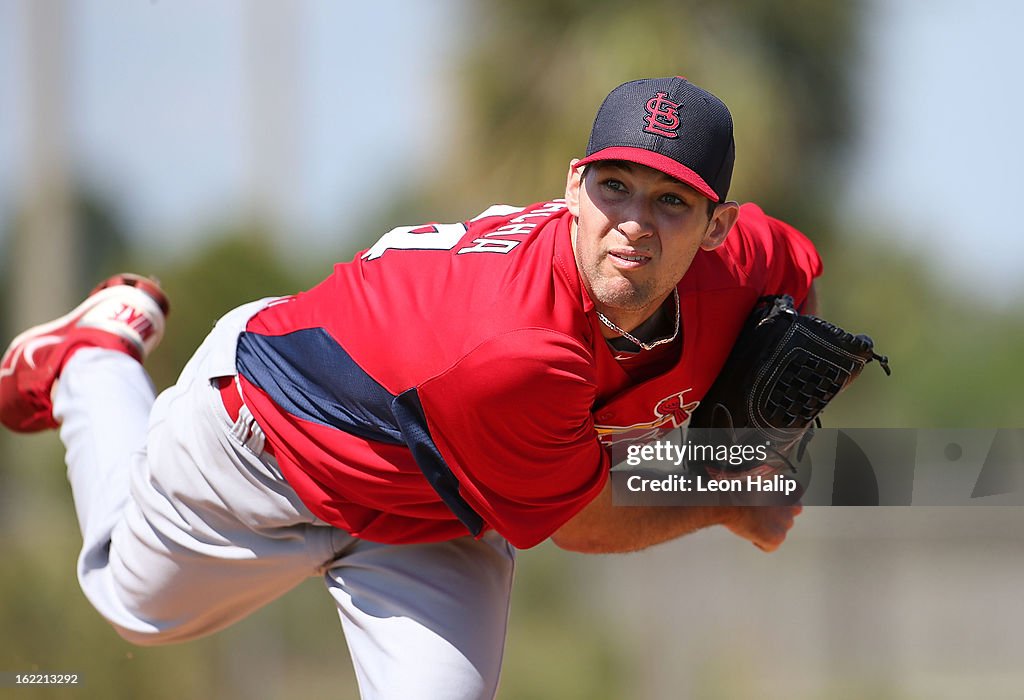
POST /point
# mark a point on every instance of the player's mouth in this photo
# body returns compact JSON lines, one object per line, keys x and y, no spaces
{"x":628,"y":259}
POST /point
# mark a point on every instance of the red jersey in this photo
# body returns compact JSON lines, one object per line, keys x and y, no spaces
{"x":453,"y":377}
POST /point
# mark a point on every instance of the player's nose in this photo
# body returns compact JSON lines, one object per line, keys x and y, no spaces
{"x":636,"y":224}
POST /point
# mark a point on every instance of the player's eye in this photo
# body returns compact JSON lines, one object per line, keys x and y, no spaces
{"x":673,"y":200}
{"x":613,"y":184}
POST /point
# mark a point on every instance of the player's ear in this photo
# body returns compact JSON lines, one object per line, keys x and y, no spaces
{"x":722,"y":221}
{"x":573,"y":182}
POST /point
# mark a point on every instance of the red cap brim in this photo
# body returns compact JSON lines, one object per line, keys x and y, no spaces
{"x":653,"y":160}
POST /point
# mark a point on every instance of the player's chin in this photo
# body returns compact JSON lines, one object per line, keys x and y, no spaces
{"x":621,"y":292}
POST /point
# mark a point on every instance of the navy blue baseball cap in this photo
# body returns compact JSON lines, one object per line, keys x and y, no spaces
{"x":671,"y":125}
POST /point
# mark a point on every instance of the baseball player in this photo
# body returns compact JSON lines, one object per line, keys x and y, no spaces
{"x":449,"y":395}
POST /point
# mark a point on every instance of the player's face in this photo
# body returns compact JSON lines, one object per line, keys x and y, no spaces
{"x":637,"y":231}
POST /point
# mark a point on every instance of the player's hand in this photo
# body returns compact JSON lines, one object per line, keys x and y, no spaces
{"x":764,"y":526}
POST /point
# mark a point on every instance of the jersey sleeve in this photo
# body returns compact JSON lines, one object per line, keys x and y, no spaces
{"x":776,"y":257}
{"x":512,"y":418}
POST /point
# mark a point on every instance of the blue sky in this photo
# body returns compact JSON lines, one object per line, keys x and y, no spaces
{"x":160,"y":104}
{"x":159,"y":107}
{"x":941,"y":143}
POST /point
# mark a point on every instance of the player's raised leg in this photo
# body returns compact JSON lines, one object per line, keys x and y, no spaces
{"x":425,"y":621}
{"x":117,"y":325}
{"x":82,"y":373}
{"x":211,"y":531}
{"x":185,"y":528}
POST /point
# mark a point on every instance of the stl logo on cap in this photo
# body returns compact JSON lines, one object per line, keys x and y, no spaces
{"x":662,"y":118}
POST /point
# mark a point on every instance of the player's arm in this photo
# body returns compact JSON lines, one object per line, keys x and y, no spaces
{"x":602,"y":528}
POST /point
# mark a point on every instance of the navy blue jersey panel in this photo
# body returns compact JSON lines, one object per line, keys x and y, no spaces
{"x":309,"y":375}
{"x":409,"y":412}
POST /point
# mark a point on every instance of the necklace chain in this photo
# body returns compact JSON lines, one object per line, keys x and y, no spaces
{"x":633,"y":339}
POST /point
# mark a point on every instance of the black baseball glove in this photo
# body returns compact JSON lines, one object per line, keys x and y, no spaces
{"x":783,"y":370}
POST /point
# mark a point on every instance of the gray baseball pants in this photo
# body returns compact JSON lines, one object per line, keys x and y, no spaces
{"x":187,"y":529}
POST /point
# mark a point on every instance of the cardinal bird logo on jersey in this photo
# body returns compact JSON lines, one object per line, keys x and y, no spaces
{"x":662,"y":117}
{"x":669,"y":413}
